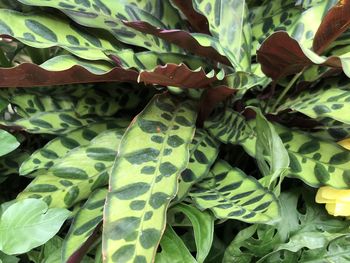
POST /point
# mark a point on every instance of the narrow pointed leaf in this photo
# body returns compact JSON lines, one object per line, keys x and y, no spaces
{"x":8,"y":142}
{"x":57,"y":148}
{"x":74,"y":177}
{"x":203,"y":227}
{"x":173,"y":249}
{"x":229,"y":193}
{"x":84,"y":223}
{"x":109,"y":15}
{"x":41,"y":30}
{"x":228,"y":23}
{"x":203,"y":152}
{"x":154,"y":150}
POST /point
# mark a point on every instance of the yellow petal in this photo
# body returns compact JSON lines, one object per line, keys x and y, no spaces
{"x":345,"y":143}
{"x":327,"y":194}
{"x":338,"y":209}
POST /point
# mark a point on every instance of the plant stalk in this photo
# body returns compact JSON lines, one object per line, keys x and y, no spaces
{"x":286,"y":89}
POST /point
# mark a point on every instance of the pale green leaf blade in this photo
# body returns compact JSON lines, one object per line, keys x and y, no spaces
{"x":229,"y":127}
{"x":203,"y":152}
{"x":43,"y":30}
{"x":271,"y":155}
{"x":29,"y":216}
{"x":154,"y":150}
{"x":57,"y":148}
{"x":330,"y":101}
{"x":228,"y":23}
{"x":74,"y":177}
{"x":229,"y":193}
{"x":84,"y":223}
{"x":8,"y":142}
{"x":173,"y":249}
{"x":203,"y":227}
{"x":109,"y":15}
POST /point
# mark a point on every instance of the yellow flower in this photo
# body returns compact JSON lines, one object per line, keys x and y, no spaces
{"x":337,"y":200}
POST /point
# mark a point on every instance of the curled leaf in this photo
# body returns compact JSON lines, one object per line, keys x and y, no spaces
{"x":179,"y":76}
{"x":333,"y":25}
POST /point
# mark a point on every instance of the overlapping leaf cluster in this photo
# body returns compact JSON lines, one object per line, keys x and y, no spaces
{"x":172,"y":131}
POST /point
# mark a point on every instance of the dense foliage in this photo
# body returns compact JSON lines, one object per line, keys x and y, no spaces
{"x":173,"y":131}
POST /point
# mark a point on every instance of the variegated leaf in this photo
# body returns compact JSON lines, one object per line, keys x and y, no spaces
{"x":42,"y":30}
{"x":329,"y":101}
{"x":152,"y":154}
{"x":231,"y":127}
{"x":229,"y":193}
{"x":203,"y":152}
{"x":109,"y":15}
{"x":228,"y":23}
{"x":57,"y":148}
{"x":79,"y":173}
{"x":84,"y":223}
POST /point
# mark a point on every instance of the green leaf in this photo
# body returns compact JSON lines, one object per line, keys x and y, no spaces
{"x":8,"y":142}
{"x":29,"y":216}
{"x":43,"y":30}
{"x":153,"y":152}
{"x":109,"y":15}
{"x":229,"y":193}
{"x":8,"y":259}
{"x":271,"y":155}
{"x":59,"y":147}
{"x":173,"y":249}
{"x":337,"y":251}
{"x":10,"y":163}
{"x":84,"y":223}
{"x":315,"y":161}
{"x":229,"y":127}
{"x":203,"y":227}
{"x":331,"y":100}
{"x":228,"y":23}
{"x":78,"y":173}
{"x":203,"y":152}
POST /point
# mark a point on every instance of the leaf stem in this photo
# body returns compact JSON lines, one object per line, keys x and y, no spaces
{"x":286,"y":89}
{"x":4,"y":62}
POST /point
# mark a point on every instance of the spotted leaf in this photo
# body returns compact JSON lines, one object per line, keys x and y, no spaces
{"x":329,"y":101}
{"x":109,"y":15}
{"x":316,"y":161}
{"x":229,"y":193}
{"x":203,"y":152}
{"x":77,"y":174}
{"x":281,"y":15}
{"x":59,"y":147}
{"x":42,"y":30}
{"x":153,"y":152}
{"x":10,"y":163}
{"x":228,"y":23}
{"x":84,"y":224}
{"x":332,"y":130}
{"x":230,"y":127}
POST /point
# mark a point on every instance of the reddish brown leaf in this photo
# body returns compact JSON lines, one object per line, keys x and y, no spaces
{"x":198,"y":22}
{"x":210,"y":99}
{"x":336,"y":21}
{"x":181,"y":38}
{"x":29,"y":75}
{"x":178,"y":76}
{"x":280,"y":55}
